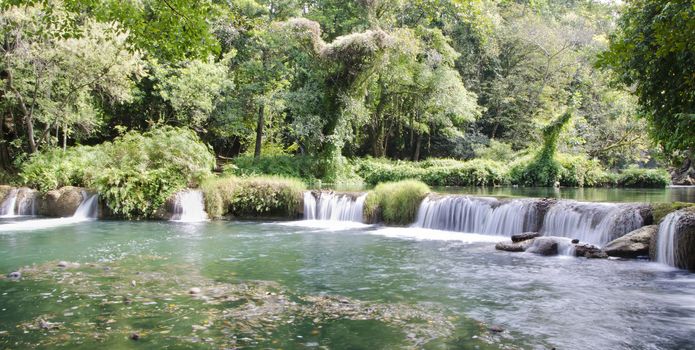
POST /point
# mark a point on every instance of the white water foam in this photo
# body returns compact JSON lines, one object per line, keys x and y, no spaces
{"x":189,"y":207}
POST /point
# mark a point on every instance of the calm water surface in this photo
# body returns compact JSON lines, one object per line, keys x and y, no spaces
{"x":135,"y":277}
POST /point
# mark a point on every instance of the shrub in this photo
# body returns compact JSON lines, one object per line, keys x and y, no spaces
{"x":134,"y":174}
{"x":310,"y":169}
{"x":395,"y":202}
{"x":635,"y":177}
{"x":253,"y":196}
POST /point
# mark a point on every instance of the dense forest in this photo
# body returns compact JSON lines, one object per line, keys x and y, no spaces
{"x":530,"y":92}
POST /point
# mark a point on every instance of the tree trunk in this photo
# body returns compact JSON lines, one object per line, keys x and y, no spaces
{"x":259,"y":132}
{"x":418,"y":144}
{"x":28,"y":120}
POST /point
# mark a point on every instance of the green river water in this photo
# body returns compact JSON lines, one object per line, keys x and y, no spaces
{"x":313,"y":285}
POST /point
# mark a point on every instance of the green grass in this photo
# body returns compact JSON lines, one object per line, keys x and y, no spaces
{"x":395,"y":203}
{"x":255,"y":196}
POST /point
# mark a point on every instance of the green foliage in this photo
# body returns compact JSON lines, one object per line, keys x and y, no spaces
{"x":434,"y":172}
{"x":396,"y":203}
{"x":253,"y":196}
{"x":134,"y":174}
{"x":652,"y":50}
{"x":634,"y":177}
{"x":302,"y":167}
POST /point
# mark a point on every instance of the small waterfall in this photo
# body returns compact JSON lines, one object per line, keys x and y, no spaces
{"x":476,"y":215}
{"x":595,"y":223}
{"x":189,"y":207}
{"x":333,"y":206}
{"x":88,"y":208}
{"x":7,"y":207}
{"x":19,"y":202}
{"x":666,"y":239}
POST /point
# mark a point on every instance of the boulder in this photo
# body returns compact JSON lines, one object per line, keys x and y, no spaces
{"x":683,"y":225}
{"x":62,"y":202}
{"x":633,"y":244}
{"x":544,"y":246}
{"x":524,"y":236}
{"x":4,"y":190}
{"x":513,"y":247}
{"x":589,"y":251}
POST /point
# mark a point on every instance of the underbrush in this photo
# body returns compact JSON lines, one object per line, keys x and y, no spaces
{"x":308,"y":168}
{"x":395,"y":203}
{"x":253,"y":196}
{"x":134,"y":174}
{"x":634,"y":177}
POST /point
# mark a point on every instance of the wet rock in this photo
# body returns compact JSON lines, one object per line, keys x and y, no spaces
{"x":194,"y":290}
{"x":135,"y":336}
{"x":133,"y":283}
{"x":589,"y":251}
{"x":524,"y":236}
{"x":495,"y":328}
{"x":15,"y":275}
{"x":513,"y":247}
{"x":545,"y":246}
{"x":62,"y":264}
{"x":633,"y":244}
{"x":575,"y":241}
{"x":68,"y":265}
{"x":62,"y":202}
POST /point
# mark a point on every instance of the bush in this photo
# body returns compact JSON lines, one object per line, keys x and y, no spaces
{"x":660,"y":210}
{"x":253,"y":196}
{"x":434,"y":172}
{"x":135,"y":173}
{"x":635,"y":177}
{"x":396,"y":203}
{"x":310,"y":169}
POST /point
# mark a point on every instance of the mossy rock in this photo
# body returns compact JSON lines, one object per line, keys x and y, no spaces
{"x":660,"y":210}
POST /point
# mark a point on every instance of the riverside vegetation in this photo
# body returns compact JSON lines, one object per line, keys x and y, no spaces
{"x":109,"y":95}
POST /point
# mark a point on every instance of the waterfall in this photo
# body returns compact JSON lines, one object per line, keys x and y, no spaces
{"x":7,"y":207}
{"x":595,"y":223}
{"x":666,"y":239}
{"x":18,"y":202}
{"x":88,"y":208}
{"x":476,"y":215}
{"x":333,"y":206}
{"x":189,"y":207}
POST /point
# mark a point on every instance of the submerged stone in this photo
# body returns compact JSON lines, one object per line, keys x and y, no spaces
{"x":15,"y":275}
{"x":545,"y":246}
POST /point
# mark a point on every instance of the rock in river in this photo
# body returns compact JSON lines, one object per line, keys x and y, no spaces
{"x":633,"y":244}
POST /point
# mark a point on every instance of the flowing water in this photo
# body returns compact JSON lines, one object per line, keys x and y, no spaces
{"x":333,"y":206}
{"x":18,"y":202}
{"x":189,"y":207}
{"x":666,"y":240}
{"x":280,"y":285}
{"x":87,"y":210}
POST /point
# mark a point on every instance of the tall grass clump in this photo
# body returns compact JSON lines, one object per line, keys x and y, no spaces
{"x":395,"y":203}
{"x":255,"y":196}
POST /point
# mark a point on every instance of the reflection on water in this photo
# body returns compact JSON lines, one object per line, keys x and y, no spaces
{"x":649,"y":195}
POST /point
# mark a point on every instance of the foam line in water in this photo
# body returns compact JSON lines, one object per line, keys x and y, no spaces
{"x":333,"y":206}
{"x":423,"y":234}
{"x":189,"y":207}
{"x":328,"y":225}
{"x":87,"y":211}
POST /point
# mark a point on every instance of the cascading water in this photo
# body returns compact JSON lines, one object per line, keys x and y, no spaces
{"x":595,"y":223}
{"x":88,"y":208}
{"x":7,"y":207}
{"x":189,"y":207}
{"x":476,"y":215}
{"x":18,"y":202}
{"x":666,"y":239}
{"x":333,"y":206}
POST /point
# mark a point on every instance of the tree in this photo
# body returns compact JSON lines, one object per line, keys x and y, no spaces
{"x":653,"y":51}
{"x":58,"y":71}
